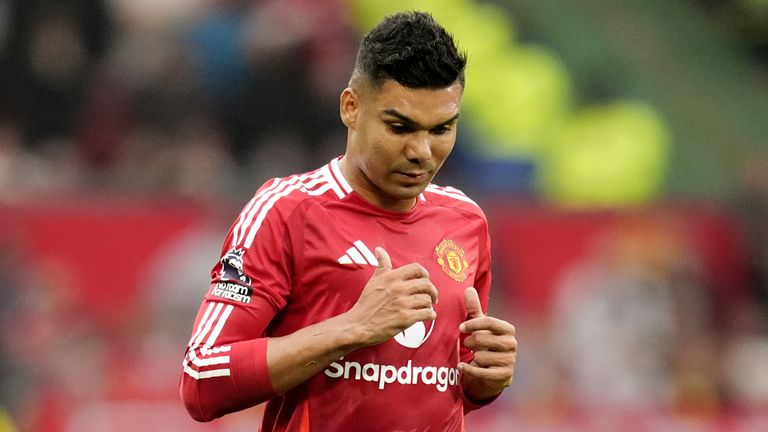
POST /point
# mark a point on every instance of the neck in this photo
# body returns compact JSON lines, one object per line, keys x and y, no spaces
{"x":370,"y":192}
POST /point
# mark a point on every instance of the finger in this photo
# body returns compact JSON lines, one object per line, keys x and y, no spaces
{"x":424,"y":314}
{"x":493,"y":325}
{"x":419,"y":301}
{"x":412,"y":271}
{"x":423,"y":286}
{"x":500,"y":375}
{"x":385,"y":263}
{"x":472,"y":301}
{"x":489,"y":359}
{"x":489,"y":342}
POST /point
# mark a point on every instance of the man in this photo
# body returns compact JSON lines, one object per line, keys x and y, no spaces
{"x":352,"y":297}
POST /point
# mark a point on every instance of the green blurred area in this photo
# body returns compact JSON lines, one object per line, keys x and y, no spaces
{"x":701,"y":80}
{"x":615,"y":103}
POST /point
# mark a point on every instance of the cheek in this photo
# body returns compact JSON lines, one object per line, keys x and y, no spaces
{"x":377,"y":158}
{"x":442,"y":149}
{"x":384,"y":148}
{"x":371,"y":145}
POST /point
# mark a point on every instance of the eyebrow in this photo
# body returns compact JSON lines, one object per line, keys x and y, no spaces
{"x":413,"y":123}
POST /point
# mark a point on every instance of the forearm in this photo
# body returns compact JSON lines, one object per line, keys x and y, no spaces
{"x":231,"y":378}
{"x":248,"y":372}
{"x":295,"y":358}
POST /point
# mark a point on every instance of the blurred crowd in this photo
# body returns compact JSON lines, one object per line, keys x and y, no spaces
{"x":192,"y":97}
{"x":663,"y":314}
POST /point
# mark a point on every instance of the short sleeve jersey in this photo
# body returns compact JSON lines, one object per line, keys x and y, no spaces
{"x":304,"y":244}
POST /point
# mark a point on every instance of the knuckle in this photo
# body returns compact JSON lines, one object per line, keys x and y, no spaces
{"x":469,"y":345}
{"x":507,"y":343}
{"x":423,"y":284}
{"x":400,"y":304}
{"x":507,"y":360}
{"x":500,"y":346}
{"x":404,"y":315}
{"x":417,"y":269}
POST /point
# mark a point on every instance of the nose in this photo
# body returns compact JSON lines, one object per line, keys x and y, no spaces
{"x":419,"y":148}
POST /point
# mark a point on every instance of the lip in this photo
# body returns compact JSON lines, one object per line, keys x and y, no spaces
{"x":412,"y":176}
{"x":413,"y":173}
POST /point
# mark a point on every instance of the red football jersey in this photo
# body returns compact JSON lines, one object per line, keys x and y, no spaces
{"x":301,"y":252}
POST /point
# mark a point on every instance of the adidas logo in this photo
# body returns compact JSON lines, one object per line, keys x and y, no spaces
{"x":359,"y":254}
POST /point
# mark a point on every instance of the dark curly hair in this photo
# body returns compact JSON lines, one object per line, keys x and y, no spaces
{"x":412,"y":49}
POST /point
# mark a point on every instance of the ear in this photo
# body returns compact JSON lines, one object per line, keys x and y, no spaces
{"x":349,"y":103}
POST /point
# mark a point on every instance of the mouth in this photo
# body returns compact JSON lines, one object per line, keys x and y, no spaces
{"x":412,"y":177}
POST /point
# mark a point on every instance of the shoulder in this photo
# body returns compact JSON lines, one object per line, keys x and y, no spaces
{"x":453,"y":199}
{"x":278,"y":199}
{"x":286,"y":193}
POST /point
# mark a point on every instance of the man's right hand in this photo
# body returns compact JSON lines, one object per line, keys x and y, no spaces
{"x":393,"y":300}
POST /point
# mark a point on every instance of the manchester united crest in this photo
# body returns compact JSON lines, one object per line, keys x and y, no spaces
{"x":451,"y":258}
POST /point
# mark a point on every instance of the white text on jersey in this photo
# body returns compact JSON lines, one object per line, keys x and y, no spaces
{"x":440,"y":377}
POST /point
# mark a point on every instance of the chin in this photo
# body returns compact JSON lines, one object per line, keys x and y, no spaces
{"x":408,"y":192}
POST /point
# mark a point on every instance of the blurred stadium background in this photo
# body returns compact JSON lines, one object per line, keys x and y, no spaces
{"x":619,"y":147}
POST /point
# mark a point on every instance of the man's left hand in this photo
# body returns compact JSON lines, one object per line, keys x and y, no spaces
{"x":495,"y":348}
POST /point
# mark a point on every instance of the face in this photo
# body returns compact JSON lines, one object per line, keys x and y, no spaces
{"x":398,"y":138}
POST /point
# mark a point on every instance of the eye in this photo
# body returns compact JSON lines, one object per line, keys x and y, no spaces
{"x":440,"y":130}
{"x":399,"y":128}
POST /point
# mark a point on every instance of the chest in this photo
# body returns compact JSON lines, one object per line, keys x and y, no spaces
{"x":335,"y":256}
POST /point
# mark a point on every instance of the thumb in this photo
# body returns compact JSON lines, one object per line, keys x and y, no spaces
{"x":385,"y":263}
{"x":472,"y":301}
